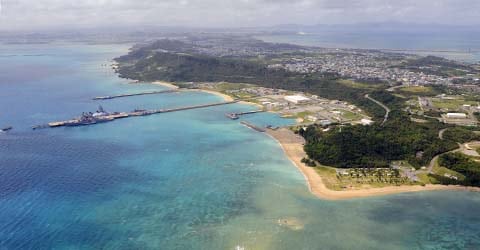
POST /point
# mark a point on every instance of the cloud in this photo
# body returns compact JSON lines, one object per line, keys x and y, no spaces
{"x":36,"y":14}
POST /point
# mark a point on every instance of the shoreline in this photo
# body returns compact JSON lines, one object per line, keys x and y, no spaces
{"x":292,"y":146}
{"x":225,"y":97}
{"x":165,"y":84}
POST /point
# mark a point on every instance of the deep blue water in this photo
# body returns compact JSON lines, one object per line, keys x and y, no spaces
{"x":185,"y":180}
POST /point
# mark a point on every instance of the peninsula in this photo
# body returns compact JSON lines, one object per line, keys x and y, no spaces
{"x":368,"y":122}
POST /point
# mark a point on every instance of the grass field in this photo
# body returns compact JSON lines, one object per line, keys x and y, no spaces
{"x":224,"y":86}
{"x":359,"y":85}
{"x":329,"y":177}
{"x":351,"y":115}
{"x":451,"y":104}
{"x":417,"y":90}
{"x":424,"y":178}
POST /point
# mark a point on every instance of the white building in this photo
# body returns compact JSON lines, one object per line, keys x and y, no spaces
{"x":366,"y":122}
{"x":297,"y":99}
{"x":456,"y":116}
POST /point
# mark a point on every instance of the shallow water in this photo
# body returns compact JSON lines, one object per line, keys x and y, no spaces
{"x":185,"y":180}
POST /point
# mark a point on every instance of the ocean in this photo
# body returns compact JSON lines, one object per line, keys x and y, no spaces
{"x":462,"y":47}
{"x":184,"y":180}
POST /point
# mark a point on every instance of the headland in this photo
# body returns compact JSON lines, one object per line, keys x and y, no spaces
{"x":292,"y":145}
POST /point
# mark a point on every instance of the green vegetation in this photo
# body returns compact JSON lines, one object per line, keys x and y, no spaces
{"x":351,"y":115}
{"x":361,"y":85}
{"x":460,"y":134}
{"x":424,"y":90}
{"x":359,"y":178}
{"x":376,"y":146}
{"x":443,"y":171}
{"x":303,"y":114}
{"x":329,"y":177}
{"x":226,"y":86}
{"x":147,"y":65}
{"x":438,"y":66}
{"x":462,"y":164}
{"x":309,"y":162}
{"x":425,"y":178}
{"x":373,"y":177}
{"x":451,"y":104}
{"x":186,"y":68}
{"x":345,"y":147}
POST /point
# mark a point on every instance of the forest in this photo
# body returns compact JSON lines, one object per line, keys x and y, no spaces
{"x":463,"y":165}
{"x":376,"y":145}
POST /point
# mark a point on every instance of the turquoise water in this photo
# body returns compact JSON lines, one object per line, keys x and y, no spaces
{"x":185,"y":180}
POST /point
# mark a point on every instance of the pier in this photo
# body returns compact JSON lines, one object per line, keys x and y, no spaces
{"x":235,"y":116}
{"x":256,"y":128}
{"x":88,"y":119}
{"x":135,"y":94}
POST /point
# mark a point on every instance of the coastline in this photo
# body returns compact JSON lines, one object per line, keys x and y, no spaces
{"x":292,"y":145}
{"x":225,"y":97}
{"x":165,"y":84}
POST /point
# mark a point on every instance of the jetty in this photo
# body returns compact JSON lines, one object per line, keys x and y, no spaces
{"x":235,"y":116}
{"x":101,"y":116}
{"x":135,"y":94}
{"x":254,"y":127}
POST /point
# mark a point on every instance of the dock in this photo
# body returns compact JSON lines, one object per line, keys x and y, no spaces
{"x":135,"y":94}
{"x":87,"y":120}
{"x":235,"y":116}
{"x":256,"y":128}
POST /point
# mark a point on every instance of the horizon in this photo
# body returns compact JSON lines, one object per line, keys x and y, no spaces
{"x":51,"y":15}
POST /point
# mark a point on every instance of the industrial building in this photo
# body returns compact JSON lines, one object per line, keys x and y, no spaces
{"x":456,"y":116}
{"x":297,"y":99}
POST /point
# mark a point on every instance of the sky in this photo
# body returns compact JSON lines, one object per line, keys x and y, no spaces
{"x":53,"y":14}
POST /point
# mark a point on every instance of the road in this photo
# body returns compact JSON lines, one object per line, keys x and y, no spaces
{"x":392,"y":89}
{"x":387,"y":110}
{"x":440,"y":133}
{"x":435,"y":159}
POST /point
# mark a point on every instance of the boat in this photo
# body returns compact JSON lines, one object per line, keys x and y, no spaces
{"x":232,"y":116}
{"x":6,"y":129}
{"x":90,"y":118}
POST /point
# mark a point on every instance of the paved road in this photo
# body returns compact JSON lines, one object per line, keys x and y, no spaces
{"x":387,"y":110}
{"x":392,"y":89}
{"x":440,"y":133}
{"x":435,"y":159}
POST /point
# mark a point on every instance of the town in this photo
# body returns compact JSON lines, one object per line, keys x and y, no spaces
{"x":373,"y":66}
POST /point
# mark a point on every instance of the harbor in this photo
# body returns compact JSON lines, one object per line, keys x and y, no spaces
{"x":101,"y":116}
{"x":135,"y":94}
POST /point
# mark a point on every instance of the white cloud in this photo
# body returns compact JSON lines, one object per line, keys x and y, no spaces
{"x":21,"y":14}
